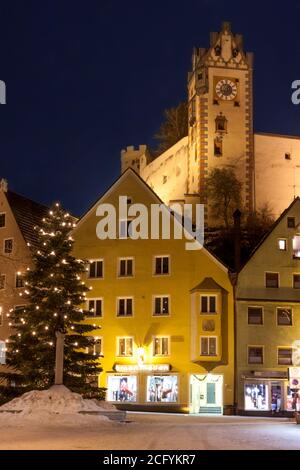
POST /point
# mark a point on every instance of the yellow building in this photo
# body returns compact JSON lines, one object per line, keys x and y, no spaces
{"x":166,"y":314}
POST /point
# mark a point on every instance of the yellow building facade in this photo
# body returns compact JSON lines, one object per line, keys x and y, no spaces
{"x":163,"y":314}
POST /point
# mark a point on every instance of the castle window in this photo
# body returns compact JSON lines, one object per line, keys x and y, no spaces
{"x":165,"y":179}
{"x":287,"y":156}
{"x":221,"y":123}
{"x":291,"y":222}
{"x":218,"y":151}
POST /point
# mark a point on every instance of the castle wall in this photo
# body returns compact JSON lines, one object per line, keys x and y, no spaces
{"x":277,"y":171}
{"x":167,"y":174}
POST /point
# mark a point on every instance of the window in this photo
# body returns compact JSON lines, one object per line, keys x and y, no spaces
{"x":2,"y":220}
{"x":161,"y":346}
{"x":125,"y":307}
{"x":256,"y":396}
{"x":287,"y":156}
{"x":255,"y":355}
{"x":126,"y":267}
{"x":296,"y":246}
{"x":285,"y":356}
{"x":125,"y":228}
{"x":208,"y":304}
{"x":165,"y":179}
{"x":2,"y":352}
{"x":162,"y":265}
{"x":284,"y":317}
{"x":19,"y":280}
{"x":96,"y":348}
{"x":96,"y":269}
{"x":291,"y":222}
{"x":122,"y":388}
{"x":94,"y":308}
{"x":282,"y":244}
{"x":8,"y":246}
{"x":125,"y":346}
{"x":296,"y":281}
{"x":161,"y":305}
{"x":255,"y":316}
{"x":272,"y":279}
{"x":208,"y":346}
{"x":218,"y":147}
{"x":2,"y":281}
{"x":221,"y":123}
{"x":162,"y":388}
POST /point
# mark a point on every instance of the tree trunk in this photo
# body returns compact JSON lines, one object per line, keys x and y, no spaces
{"x":59,"y":358}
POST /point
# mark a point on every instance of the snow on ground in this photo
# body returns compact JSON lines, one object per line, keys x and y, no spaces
{"x":152,"y":431}
{"x":57,"y":404}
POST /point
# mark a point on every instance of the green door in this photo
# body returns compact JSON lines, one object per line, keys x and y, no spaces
{"x":210,"y":393}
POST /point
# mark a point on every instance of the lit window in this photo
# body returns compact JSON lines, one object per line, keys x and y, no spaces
{"x":285,"y":356}
{"x":96,"y":269}
{"x":96,"y":347}
{"x":255,"y":355}
{"x":255,"y":316}
{"x":208,"y":346}
{"x":2,"y":352}
{"x":122,"y":388}
{"x":208,"y":304}
{"x":161,"y":346}
{"x":282,"y":244}
{"x":8,"y":246}
{"x":126,"y":267}
{"x":94,"y":308}
{"x":296,"y":246}
{"x":162,"y":388}
{"x":125,"y":307}
{"x":284,"y":316}
{"x":161,"y":305}
{"x":272,"y":280}
{"x":256,"y":396}
{"x":125,"y":346}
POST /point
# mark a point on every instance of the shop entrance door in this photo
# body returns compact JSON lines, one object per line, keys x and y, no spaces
{"x":207,"y":394}
{"x":276,"y":397}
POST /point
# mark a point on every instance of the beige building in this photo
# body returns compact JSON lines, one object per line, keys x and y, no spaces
{"x":220,"y":96}
{"x":18,"y":216}
{"x":268,"y":319}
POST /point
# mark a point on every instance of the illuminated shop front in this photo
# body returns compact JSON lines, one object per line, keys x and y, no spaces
{"x":143,"y":384}
{"x":272,"y":395}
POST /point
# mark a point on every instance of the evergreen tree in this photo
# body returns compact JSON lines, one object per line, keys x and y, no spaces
{"x":54,"y":292}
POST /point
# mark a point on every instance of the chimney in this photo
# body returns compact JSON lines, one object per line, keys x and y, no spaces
{"x":3,"y":185}
{"x":237,"y":239}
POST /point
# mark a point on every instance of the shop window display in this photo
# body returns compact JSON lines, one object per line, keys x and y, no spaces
{"x":122,"y":388}
{"x":256,"y":397}
{"x":162,"y":389}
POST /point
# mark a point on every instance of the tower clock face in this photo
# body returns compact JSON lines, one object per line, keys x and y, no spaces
{"x":226,"y":89}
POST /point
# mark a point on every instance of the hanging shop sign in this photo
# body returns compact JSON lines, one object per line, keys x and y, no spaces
{"x":294,"y":377}
{"x":142,"y":367}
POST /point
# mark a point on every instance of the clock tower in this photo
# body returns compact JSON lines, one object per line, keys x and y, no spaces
{"x":221,"y":114}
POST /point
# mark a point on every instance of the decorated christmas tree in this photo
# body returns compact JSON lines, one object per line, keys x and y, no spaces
{"x":54,"y":292}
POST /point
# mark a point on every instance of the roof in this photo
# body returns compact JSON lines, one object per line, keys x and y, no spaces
{"x":284,"y":213}
{"x":27,"y":213}
{"x":208,"y":283}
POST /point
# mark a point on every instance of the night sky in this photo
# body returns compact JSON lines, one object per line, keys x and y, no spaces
{"x":86,"y":79}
